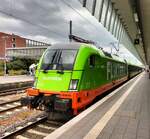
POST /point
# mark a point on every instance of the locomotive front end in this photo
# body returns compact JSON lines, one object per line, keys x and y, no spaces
{"x":56,"y":82}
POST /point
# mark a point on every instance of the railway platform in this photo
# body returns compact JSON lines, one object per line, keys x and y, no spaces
{"x":123,"y":114}
{"x":10,"y":82}
{"x":15,"y":79}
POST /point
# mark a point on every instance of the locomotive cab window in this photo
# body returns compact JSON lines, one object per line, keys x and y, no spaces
{"x":59,"y":59}
{"x":92,"y":61}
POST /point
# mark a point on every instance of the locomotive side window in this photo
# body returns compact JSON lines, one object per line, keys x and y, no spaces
{"x":92,"y":61}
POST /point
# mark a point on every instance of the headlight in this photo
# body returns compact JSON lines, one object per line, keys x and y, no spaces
{"x":73,"y":84}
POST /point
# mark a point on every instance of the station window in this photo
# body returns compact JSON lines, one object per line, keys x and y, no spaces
{"x":13,"y":45}
{"x":89,"y":5}
{"x":104,"y":11}
{"x":108,"y":15}
{"x":115,"y":26}
{"x":122,"y":35}
{"x":98,"y":8}
{"x":112,"y":21}
{"x":13,"y":39}
{"x":119,"y":31}
{"x":81,"y":1}
{"x":92,"y":61}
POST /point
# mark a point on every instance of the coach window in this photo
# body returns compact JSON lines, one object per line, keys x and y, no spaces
{"x":109,"y":72}
{"x":113,"y":70}
{"x":118,"y":73}
{"x":92,"y":61}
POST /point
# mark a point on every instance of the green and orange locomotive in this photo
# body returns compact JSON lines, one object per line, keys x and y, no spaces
{"x":70,"y":76}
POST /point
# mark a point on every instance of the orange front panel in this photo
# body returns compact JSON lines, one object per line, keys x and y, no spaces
{"x":32,"y":92}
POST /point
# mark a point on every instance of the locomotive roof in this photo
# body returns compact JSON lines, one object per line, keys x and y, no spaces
{"x":76,"y":46}
{"x":65,"y":46}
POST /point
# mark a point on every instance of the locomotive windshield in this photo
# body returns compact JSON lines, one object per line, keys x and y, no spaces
{"x":58,"y":59}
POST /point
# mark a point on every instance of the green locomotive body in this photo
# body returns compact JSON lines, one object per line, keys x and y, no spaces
{"x":70,"y":76}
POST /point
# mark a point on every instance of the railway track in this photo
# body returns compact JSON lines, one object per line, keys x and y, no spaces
{"x":35,"y":129}
{"x":23,"y":127}
{"x":39,"y":130}
{"x":10,"y":99}
{"x":9,"y":106}
{"x":13,"y":91}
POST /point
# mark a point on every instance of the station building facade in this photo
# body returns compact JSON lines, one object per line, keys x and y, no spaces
{"x":15,"y":41}
{"x":10,"y":41}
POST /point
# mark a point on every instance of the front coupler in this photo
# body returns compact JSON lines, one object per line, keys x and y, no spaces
{"x":32,"y":102}
{"x":49,"y":102}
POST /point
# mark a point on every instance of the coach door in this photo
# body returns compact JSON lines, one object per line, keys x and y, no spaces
{"x":109,"y":70}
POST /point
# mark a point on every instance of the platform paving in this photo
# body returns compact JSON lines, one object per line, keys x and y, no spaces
{"x":15,"y":79}
{"x":130,"y":121}
{"x":133,"y":117}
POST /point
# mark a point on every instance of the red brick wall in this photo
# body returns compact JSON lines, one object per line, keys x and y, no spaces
{"x":19,"y":42}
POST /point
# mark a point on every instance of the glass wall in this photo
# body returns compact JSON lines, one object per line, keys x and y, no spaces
{"x":119,"y":28}
{"x":81,"y":1}
{"x":89,"y":5}
{"x":112,"y":21}
{"x":115,"y":25}
{"x":108,"y":15}
{"x":98,"y":9}
{"x":104,"y":11}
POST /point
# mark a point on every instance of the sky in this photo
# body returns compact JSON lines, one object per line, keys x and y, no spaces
{"x":48,"y":21}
